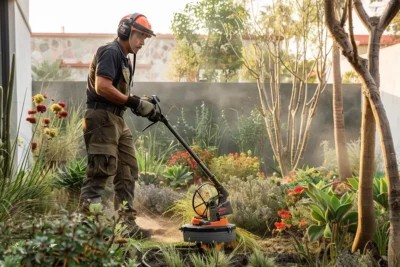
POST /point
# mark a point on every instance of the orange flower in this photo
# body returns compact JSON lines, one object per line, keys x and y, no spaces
{"x":32,"y":111}
{"x":46,"y":121}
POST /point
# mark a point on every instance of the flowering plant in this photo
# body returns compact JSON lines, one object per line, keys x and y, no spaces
{"x":234,"y":164}
{"x":295,"y":195}
{"x":185,"y":159}
{"x":50,"y":120}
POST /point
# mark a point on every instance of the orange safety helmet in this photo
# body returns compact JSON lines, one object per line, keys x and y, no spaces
{"x":134,"y":22}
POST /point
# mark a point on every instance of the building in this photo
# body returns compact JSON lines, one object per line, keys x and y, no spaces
{"x":75,"y":50}
{"x":15,"y":33}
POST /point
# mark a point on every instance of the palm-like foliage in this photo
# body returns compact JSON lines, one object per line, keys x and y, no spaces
{"x":50,"y":71}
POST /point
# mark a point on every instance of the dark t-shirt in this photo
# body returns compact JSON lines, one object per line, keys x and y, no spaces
{"x":108,"y":62}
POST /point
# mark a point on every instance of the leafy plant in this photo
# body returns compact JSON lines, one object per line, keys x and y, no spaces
{"x":259,"y":259}
{"x":178,"y":176}
{"x":239,"y":165}
{"x":50,"y":71}
{"x":148,"y":178}
{"x":331,"y":213}
{"x":250,"y":133}
{"x":207,"y":131}
{"x":149,"y":158}
{"x":382,"y":233}
{"x":71,"y":178}
{"x":380,"y":190}
{"x":72,"y":240}
{"x":172,"y":256}
{"x":5,"y":123}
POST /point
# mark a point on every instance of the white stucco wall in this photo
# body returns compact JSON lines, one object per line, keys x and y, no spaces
{"x":389,"y":59}
{"x":20,"y":37}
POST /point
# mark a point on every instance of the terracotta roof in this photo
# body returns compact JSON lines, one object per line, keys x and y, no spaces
{"x":362,"y":39}
{"x":90,"y":35}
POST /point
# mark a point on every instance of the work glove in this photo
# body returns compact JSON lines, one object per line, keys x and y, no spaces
{"x":141,"y":106}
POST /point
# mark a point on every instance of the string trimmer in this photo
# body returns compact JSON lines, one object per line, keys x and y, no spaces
{"x":210,"y":200}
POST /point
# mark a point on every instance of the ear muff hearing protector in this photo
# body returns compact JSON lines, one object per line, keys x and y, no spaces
{"x":126,"y":25}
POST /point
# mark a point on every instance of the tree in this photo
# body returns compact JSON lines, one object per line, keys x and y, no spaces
{"x":338,"y":117}
{"x":291,"y":35}
{"x":50,"y":71}
{"x":373,"y":115}
{"x":201,"y":25}
{"x":184,"y":62}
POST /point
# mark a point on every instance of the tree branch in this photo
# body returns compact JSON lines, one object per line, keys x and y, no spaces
{"x":344,"y":15}
{"x":390,"y":12}
{"x":339,"y":34}
{"x":362,"y":14}
{"x":351,"y":31}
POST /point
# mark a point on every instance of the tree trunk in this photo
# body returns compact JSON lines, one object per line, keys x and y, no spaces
{"x":366,"y":216}
{"x":370,"y":80}
{"x":338,"y":118}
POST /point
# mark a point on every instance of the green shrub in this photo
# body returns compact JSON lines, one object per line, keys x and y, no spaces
{"x":156,"y":199}
{"x":240,"y":165}
{"x":255,"y":203}
{"x":68,"y":240}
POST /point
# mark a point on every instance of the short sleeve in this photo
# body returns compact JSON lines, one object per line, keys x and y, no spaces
{"x":107,"y":63}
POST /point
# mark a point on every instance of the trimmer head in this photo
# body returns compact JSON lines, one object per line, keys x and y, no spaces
{"x":208,"y":234}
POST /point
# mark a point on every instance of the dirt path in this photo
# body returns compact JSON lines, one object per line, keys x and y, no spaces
{"x":164,"y":229}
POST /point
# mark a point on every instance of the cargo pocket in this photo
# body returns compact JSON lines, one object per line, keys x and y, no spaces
{"x":101,"y":165}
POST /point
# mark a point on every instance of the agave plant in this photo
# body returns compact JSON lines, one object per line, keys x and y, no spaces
{"x":71,"y":178}
{"x":178,"y":176}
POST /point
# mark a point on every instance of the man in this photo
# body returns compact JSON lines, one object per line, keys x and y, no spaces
{"x":108,"y":140}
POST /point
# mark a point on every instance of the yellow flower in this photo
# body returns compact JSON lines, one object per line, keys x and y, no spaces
{"x":46,"y":131}
{"x":56,"y":108}
{"x":53,"y":132}
{"x":38,"y":99}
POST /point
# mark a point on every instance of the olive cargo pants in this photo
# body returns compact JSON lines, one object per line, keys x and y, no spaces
{"x":109,"y":145}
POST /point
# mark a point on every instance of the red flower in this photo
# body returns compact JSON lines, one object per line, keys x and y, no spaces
{"x":46,"y":121}
{"x":31,"y":119}
{"x":279,"y":225}
{"x":285,"y":214}
{"x":298,"y":189}
{"x":45,"y":95}
{"x":63,"y":114}
{"x":302,"y":223}
{"x":41,"y":108}
{"x":62,"y":104}
{"x":33,"y":145}
{"x":32,"y":111}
